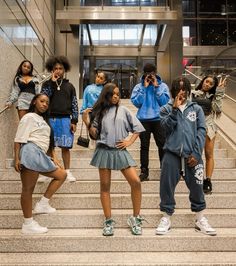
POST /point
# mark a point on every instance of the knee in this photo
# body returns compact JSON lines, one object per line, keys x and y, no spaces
{"x":136,"y":184}
{"x":63,"y":175}
{"x":105,"y":188}
{"x":27,"y":190}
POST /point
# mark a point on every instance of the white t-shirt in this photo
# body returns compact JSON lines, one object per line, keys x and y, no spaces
{"x":33,"y":128}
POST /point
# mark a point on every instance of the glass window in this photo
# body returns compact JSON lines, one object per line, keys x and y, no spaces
{"x":189,"y":8}
{"x":189,"y":33}
{"x":208,"y":9}
{"x":120,"y":34}
{"x":213,"y":32}
{"x":150,"y":35}
{"x":232,"y":32}
{"x":231,"y":8}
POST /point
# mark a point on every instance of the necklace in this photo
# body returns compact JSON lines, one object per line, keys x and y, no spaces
{"x":59,"y":85}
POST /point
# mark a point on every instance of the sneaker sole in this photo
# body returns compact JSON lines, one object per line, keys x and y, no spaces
{"x":33,"y":233}
{"x":163,"y":233}
{"x":38,"y":212}
{"x":108,"y":235}
{"x":205,"y":233}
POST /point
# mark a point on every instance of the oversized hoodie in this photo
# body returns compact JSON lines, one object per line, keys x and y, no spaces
{"x":185,"y":132}
{"x":149,"y":100}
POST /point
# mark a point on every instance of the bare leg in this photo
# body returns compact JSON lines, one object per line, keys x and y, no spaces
{"x":59,"y":176}
{"x":105,"y":185}
{"x":131,"y":176}
{"x":65,"y":153}
{"x":209,"y":154}
{"x":28,"y":179}
{"x":21,"y":113}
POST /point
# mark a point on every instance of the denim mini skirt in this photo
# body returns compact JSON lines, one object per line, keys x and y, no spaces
{"x":111,"y":158}
{"x":34,"y":158}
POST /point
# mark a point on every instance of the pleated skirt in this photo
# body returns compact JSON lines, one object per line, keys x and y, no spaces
{"x":111,"y":158}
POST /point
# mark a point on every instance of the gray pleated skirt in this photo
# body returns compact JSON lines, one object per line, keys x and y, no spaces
{"x":111,"y":158}
{"x":34,"y":158}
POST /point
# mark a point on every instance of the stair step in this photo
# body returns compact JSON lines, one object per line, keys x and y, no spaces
{"x":93,"y":218}
{"x":91,"y":240}
{"x":92,"y":174}
{"x":153,"y":162}
{"x":119,"y":258}
{"x":117,"y":186}
{"x":91,"y":201}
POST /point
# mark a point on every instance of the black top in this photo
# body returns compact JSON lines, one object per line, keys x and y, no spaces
{"x":26,"y":87}
{"x":204,"y":102}
{"x":63,"y":102}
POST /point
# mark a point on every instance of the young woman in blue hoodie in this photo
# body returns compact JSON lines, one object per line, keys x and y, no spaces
{"x":184,"y":124}
{"x":148,"y":96}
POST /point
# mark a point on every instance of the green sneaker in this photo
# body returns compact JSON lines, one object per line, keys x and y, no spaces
{"x":108,"y":229}
{"x":135,"y":224}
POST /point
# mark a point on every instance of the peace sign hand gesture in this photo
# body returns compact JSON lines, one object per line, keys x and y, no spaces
{"x":222,"y":82}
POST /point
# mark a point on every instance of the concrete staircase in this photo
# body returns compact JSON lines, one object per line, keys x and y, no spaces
{"x":75,"y":235}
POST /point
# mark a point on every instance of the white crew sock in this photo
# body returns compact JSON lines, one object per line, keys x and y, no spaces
{"x":166,"y":215}
{"x":199,"y":215}
{"x":28,"y":220}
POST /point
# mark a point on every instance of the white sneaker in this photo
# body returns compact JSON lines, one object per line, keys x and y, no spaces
{"x":43,"y":208}
{"x":70,"y":177}
{"x":204,"y":227}
{"x":164,"y":226}
{"x":43,"y":179}
{"x":33,"y":228}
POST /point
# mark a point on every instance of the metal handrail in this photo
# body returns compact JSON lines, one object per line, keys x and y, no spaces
{"x":4,"y":109}
{"x":199,"y":78}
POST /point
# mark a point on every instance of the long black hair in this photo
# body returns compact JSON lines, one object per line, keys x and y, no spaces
{"x":213,"y":89}
{"x":103,"y":104}
{"x":45,"y":116}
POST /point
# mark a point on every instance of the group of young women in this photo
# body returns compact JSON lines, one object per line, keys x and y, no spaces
{"x":110,"y":124}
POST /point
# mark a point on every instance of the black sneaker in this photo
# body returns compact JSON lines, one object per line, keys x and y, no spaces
{"x":207,"y":186}
{"x":144,"y":175}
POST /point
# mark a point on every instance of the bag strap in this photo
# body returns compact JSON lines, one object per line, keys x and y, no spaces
{"x":82,"y":129}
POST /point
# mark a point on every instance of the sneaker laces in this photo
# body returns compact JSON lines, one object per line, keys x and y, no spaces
{"x":109,"y":223}
{"x":164,"y":222}
{"x":139,"y":219}
{"x":205,"y":223}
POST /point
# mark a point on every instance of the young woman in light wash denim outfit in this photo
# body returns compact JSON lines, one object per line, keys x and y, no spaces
{"x":32,"y":143}
{"x":24,"y":88}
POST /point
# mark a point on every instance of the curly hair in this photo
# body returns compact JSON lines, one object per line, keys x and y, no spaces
{"x":53,"y":60}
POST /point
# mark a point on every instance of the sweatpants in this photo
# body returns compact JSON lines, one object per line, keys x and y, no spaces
{"x":170,"y":176}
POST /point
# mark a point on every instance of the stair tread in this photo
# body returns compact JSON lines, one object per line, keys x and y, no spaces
{"x":120,"y":258}
{"x":119,"y":233}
